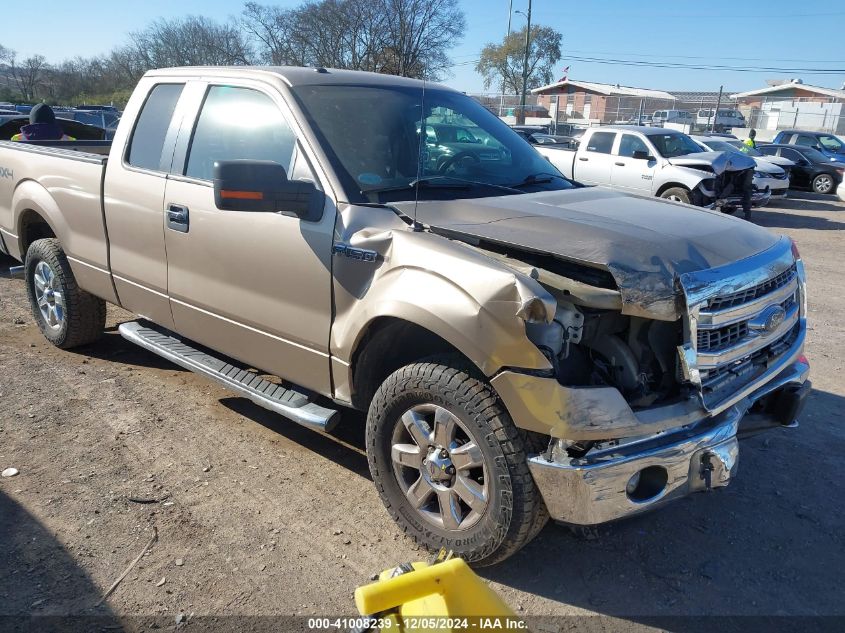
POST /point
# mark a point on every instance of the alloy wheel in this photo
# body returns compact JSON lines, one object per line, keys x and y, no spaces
{"x":49,"y":295}
{"x":440,"y":467}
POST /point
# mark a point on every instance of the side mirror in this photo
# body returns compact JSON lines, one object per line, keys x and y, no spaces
{"x":803,"y":162}
{"x":263,"y":185}
{"x":641,"y":155}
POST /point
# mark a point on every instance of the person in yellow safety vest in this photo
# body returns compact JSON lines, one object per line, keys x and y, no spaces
{"x":750,"y":142}
{"x":42,"y":126}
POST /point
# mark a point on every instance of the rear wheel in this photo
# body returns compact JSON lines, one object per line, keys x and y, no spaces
{"x":676,"y":194}
{"x":450,"y":465}
{"x":67,"y":315}
{"x":823,"y":183}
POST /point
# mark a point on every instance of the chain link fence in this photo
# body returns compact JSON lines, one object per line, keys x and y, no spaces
{"x":695,"y":109}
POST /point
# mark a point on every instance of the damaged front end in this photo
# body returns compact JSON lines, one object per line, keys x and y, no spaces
{"x":641,"y":411}
{"x":732,"y":183}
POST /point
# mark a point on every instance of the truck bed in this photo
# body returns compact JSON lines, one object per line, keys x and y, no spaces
{"x":60,"y":184}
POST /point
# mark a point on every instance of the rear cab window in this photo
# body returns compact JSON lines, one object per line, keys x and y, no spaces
{"x":148,"y":138}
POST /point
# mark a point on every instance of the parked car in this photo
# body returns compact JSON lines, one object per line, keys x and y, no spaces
{"x":831,"y":146}
{"x":98,"y":117}
{"x":813,"y":170}
{"x":725,"y":118}
{"x":8,"y":115}
{"x":548,"y":139}
{"x":523,"y":347}
{"x":672,"y":116}
{"x":766,"y":173}
{"x":780,"y":161}
{"x":657,"y":162}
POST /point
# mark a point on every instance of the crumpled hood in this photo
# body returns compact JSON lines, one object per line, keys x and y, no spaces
{"x":719,"y":161}
{"x":645,"y":243}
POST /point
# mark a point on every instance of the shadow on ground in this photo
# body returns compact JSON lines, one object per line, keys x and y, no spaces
{"x":755,"y":549}
{"x":771,"y":544}
{"x":784,"y":220}
{"x":41,"y":586}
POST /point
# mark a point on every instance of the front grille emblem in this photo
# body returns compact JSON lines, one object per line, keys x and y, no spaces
{"x":769,"y":320}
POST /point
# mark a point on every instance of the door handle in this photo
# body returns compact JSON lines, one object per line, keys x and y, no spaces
{"x":178,"y":218}
{"x":619,"y":164}
{"x":583,"y":158}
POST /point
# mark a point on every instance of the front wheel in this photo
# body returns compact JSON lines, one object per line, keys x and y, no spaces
{"x":676,"y":194}
{"x":450,"y":465}
{"x":67,"y":315}
{"x":823,"y":183}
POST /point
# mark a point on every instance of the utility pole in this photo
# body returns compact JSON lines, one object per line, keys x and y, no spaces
{"x":525,"y":63}
{"x":716,"y":114}
{"x":507,"y":37}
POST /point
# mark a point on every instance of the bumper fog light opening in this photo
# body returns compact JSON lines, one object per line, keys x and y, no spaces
{"x":647,"y":484}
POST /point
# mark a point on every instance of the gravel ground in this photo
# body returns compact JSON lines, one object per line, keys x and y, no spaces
{"x":256,"y":516}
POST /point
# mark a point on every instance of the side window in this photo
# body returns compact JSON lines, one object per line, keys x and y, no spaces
{"x":806,"y":141}
{"x":237,"y":124}
{"x":630,"y":144}
{"x":791,"y":154}
{"x":601,"y":142}
{"x":151,"y":128}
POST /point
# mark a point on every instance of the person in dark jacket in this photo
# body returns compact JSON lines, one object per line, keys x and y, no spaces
{"x":42,"y":126}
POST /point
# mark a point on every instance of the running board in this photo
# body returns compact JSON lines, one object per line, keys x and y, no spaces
{"x":14,"y":272}
{"x":290,"y":403}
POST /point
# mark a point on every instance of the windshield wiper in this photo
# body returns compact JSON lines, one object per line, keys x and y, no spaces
{"x":537,"y":179}
{"x":454,"y":183}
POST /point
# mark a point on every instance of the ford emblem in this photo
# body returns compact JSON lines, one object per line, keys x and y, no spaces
{"x":769,"y":320}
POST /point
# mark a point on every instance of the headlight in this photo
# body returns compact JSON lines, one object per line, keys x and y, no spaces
{"x":760,"y":174}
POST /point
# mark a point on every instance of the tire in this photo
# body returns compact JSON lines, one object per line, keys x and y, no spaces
{"x":824,"y":183}
{"x":66,"y":315}
{"x":677,"y":194}
{"x":424,"y":401}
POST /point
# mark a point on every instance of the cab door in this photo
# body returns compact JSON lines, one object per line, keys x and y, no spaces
{"x":633,"y":174}
{"x":253,"y":285}
{"x":593,"y":165}
{"x":133,"y":197}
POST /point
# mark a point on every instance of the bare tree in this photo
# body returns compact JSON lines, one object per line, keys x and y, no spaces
{"x":28,"y":74}
{"x":402,"y":37}
{"x":190,"y":41}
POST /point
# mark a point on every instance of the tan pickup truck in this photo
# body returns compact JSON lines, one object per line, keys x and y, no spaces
{"x":319,"y":240}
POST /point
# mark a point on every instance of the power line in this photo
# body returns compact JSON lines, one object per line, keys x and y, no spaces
{"x":756,"y":69}
{"x":747,"y":59}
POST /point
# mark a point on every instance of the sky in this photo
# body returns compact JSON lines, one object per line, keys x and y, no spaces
{"x":733,"y":33}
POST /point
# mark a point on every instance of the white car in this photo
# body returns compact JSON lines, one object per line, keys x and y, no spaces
{"x":766,"y":172}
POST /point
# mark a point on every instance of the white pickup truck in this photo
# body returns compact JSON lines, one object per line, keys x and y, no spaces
{"x":658,"y":162}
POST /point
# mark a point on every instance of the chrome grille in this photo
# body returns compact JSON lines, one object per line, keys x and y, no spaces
{"x":713,"y":340}
{"x":715,"y":381}
{"x":744,"y":296}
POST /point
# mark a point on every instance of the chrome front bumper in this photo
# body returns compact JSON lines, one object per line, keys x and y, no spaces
{"x":592,"y":490}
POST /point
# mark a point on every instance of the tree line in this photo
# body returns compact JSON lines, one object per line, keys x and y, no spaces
{"x":411,"y":38}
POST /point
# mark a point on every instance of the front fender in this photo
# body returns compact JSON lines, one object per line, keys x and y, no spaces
{"x":468,"y":299}
{"x":674,"y":175}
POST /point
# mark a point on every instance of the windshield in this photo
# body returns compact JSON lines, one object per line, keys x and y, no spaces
{"x":721,"y":146}
{"x":745,"y":149}
{"x":371,"y":135}
{"x":814,"y":155}
{"x":831,"y":143}
{"x":671,"y":145}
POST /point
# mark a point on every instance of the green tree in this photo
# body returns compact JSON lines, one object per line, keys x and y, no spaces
{"x":501,"y":64}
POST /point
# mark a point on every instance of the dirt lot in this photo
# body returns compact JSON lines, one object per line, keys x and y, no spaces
{"x":261,"y":517}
